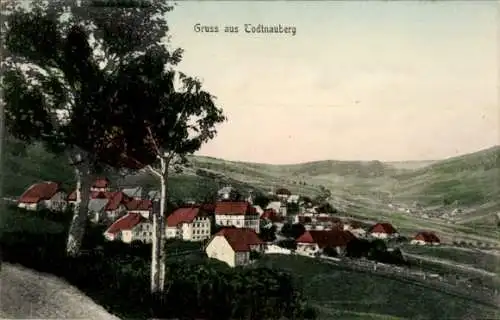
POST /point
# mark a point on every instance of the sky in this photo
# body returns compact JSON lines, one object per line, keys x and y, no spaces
{"x":388,"y":81}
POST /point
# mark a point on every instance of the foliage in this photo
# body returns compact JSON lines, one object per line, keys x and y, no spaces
{"x":287,"y":244}
{"x":331,"y":252}
{"x":117,"y":273}
{"x":293,"y":230}
{"x":268,"y":234}
{"x":261,"y":200}
{"x":326,"y":207}
{"x":292,"y":208}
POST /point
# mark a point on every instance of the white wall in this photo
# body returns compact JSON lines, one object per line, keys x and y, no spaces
{"x":220,"y":249}
{"x":277,"y":249}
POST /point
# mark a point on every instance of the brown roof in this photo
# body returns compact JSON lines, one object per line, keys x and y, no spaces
{"x":139,"y":205}
{"x":327,"y":238}
{"x":39,"y":191}
{"x":235,"y":208}
{"x":383,"y":227}
{"x":426,"y":236}
{"x":240,"y":239}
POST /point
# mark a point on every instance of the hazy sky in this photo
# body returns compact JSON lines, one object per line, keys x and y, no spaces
{"x":359,"y":80}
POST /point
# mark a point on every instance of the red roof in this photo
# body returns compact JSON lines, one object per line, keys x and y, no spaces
{"x":327,"y":238}
{"x":183,"y":215}
{"x":39,"y":191}
{"x":426,"y":236}
{"x":234,"y":208}
{"x":101,"y":183}
{"x":283,"y":191}
{"x":208,"y":207}
{"x":383,"y":227}
{"x":139,"y":205}
{"x":271,"y":215}
{"x":127,"y":222}
{"x":240,"y":239}
{"x":115,"y":198}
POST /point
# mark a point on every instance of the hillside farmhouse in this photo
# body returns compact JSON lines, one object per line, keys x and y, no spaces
{"x":315,"y":241}
{"x":234,"y":245}
{"x":383,"y":230}
{"x":43,"y":195}
{"x":425,"y":238}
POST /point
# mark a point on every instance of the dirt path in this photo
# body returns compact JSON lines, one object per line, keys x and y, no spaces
{"x":27,"y":294}
{"x":451,"y":264}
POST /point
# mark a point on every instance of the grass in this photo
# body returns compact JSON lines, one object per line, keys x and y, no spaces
{"x":476,"y":258}
{"x":336,"y":292}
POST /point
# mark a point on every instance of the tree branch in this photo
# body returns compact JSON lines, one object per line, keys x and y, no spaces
{"x":153,"y":171}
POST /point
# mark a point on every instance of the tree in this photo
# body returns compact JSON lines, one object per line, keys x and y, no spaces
{"x":292,"y":208}
{"x":268,"y":234}
{"x":54,"y":78}
{"x":293,"y":230}
{"x":261,"y":200}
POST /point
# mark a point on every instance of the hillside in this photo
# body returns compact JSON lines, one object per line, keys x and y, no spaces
{"x":362,"y":189}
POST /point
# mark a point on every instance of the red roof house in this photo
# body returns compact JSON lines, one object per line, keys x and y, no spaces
{"x":124,"y":228}
{"x":234,"y":208}
{"x":233,"y":245}
{"x":189,"y":223}
{"x":139,"y":205}
{"x":383,"y":230}
{"x":326,"y":238}
{"x":426,"y":237}
{"x":46,"y":194}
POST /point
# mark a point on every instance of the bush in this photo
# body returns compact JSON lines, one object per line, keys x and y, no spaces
{"x":118,"y":273}
{"x":287,"y":244}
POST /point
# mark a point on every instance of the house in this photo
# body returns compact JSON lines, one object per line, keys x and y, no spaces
{"x":96,"y":208}
{"x":130,"y":227}
{"x":278,"y":206}
{"x":239,"y":214}
{"x":315,"y":241}
{"x":259,"y":210}
{"x":100,"y":185}
{"x":283,"y":193}
{"x":233,"y":246}
{"x":116,"y":205}
{"x":355,"y":228}
{"x":43,"y":195}
{"x":189,"y":223}
{"x":133,"y":192}
{"x":143,"y":207}
{"x":383,"y":230}
{"x":425,"y":237}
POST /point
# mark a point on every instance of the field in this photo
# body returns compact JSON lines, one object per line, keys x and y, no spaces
{"x":355,"y":295}
{"x":359,"y":189}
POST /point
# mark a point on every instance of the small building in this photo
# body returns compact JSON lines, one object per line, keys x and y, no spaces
{"x":130,"y":227}
{"x":239,"y":214}
{"x":43,"y":195}
{"x":383,"y":230}
{"x":315,"y":241}
{"x":228,"y":193}
{"x":100,"y":185}
{"x":116,"y":205}
{"x":234,"y":245}
{"x":425,"y":238}
{"x":278,"y":206}
{"x":189,"y":223}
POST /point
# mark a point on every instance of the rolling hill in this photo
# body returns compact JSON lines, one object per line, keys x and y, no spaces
{"x":362,"y":189}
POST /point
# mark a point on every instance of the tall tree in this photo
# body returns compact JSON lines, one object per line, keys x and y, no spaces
{"x":161,"y":116}
{"x":54,"y":79}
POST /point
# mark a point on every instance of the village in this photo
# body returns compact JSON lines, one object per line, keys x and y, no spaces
{"x":233,"y":229}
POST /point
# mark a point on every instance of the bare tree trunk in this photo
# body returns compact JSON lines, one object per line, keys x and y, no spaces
{"x":158,"y":259}
{"x":79,"y":221}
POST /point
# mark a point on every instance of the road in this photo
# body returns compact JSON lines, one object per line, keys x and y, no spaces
{"x":27,"y":294}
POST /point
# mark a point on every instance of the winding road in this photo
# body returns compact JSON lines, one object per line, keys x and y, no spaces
{"x":28,"y":294}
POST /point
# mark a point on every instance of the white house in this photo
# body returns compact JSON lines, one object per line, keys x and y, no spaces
{"x":383,"y":230}
{"x":130,"y":227}
{"x":233,"y":246}
{"x":239,"y":214}
{"x":43,"y":195}
{"x":190,"y":223}
{"x":425,"y":238}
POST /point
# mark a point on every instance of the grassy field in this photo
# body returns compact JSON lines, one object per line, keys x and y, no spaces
{"x":353,"y":295}
{"x":360,"y":189}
